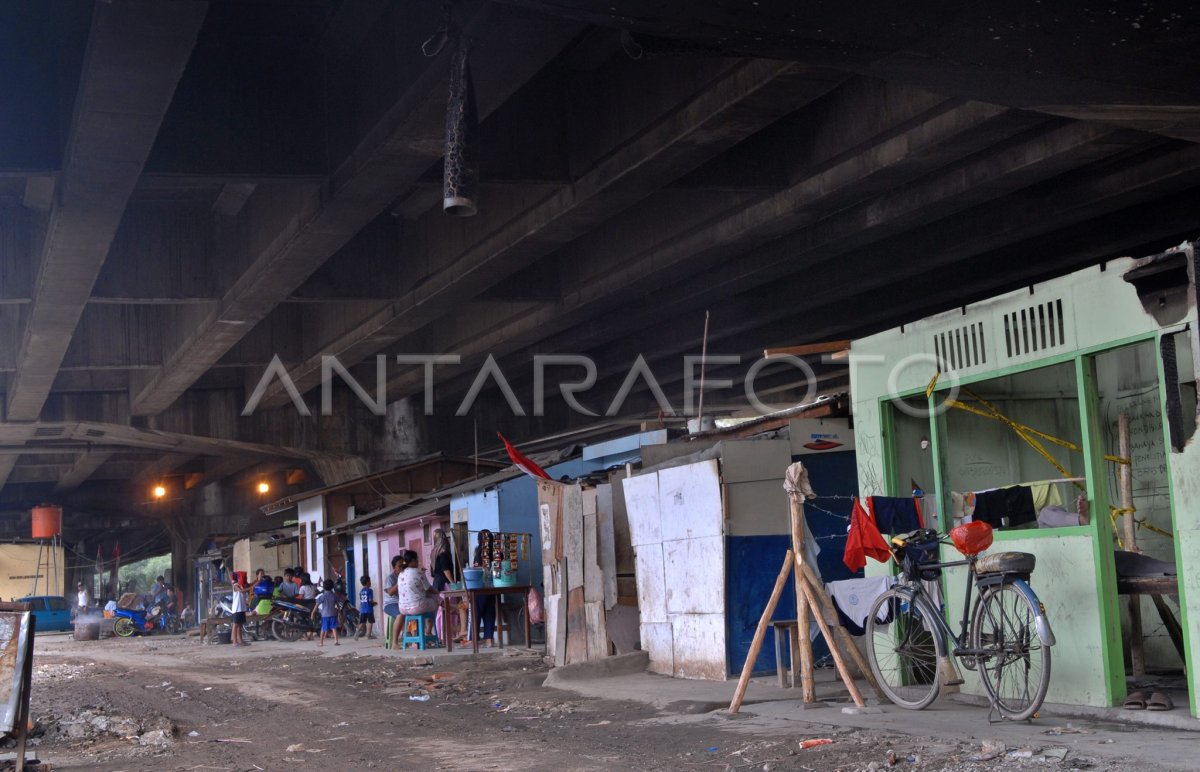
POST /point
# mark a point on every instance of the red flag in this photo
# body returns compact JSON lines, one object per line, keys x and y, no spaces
{"x":524,"y":464}
{"x":864,"y":540}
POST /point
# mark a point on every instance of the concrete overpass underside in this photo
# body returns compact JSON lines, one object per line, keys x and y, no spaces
{"x":191,"y":190}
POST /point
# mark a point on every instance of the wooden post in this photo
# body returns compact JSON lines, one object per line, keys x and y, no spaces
{"x":1126,"y":481}
{"x":842,"y":634}
{"x":761,"y":631}
{"x":811,"y":598}
{"x":807,"y":684}
{"x":1137,"y":652}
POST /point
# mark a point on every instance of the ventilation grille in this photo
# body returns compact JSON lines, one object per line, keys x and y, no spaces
{"x":1036,"y":328}
{"x":961,"y":348}
{"x":48,"y":431}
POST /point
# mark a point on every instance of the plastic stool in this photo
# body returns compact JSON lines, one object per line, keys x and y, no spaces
{"x":420,"y":638}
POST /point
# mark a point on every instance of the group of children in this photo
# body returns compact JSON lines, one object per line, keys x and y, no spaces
{"x":298,"y":586}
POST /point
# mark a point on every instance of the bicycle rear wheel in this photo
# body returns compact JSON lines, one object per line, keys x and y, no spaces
{"x":1016,"y":668}
{"x":902,"y":651}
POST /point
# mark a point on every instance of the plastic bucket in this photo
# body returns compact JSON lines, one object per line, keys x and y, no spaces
{"x":473,"y":578}
{"x":506,"y":579}
{"x":224,"y":636}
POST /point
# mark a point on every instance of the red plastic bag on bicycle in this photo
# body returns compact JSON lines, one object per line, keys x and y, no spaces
{"x":971,"y":538}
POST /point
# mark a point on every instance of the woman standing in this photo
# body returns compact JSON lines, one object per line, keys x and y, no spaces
{"x":486,"y":555}
{"x":443,"y":576}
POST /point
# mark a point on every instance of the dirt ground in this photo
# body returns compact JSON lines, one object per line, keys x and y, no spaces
{"x":172,"y":704}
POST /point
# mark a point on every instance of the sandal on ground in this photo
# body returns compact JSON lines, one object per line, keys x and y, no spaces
{"x":1136,"y":700}
{"x":1159,"y":701}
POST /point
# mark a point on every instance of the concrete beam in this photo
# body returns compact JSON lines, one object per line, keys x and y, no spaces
{"x":84,"y":467}
{"x":39,"y":193}
{"x":512,"y":48}
{"x":136,"y":53}
{"x":743,"y":99}
{"x":922,"y":143}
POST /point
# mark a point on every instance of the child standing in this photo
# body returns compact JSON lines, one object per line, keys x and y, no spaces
{"x":326,"y":605}
{"x":366,"y":609}
{"x":238,"y":606}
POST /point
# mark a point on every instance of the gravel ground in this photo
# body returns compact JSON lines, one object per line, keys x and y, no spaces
{"x":170,"y":704}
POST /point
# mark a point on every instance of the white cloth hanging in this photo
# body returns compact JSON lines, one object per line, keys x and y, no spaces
{"x":856,"y":596}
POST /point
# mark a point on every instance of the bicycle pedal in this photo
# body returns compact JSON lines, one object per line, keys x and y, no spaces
{"x":955,"y":682}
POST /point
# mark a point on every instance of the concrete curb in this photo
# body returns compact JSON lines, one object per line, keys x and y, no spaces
{"x":1179,"y":718}
{"x":622,"y":664}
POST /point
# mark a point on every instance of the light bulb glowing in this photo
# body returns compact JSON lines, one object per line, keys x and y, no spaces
{"x":263,"y":487}
{"x":159,"y":491}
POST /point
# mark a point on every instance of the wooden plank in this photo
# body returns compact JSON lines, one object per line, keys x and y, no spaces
{"x":657,"y":640}
{"x":576,"y":627}
{"x":622,"y":623}
{"x":694,"y":575}
{"x":827,"y":347}
{"x":622,"y":540}
{"x":651,"y":583}
{"x":606,"y":550}
{"x":597,"y":630}
{"x":699,"y":646}
{"x":641,"y":504}
{"x":593,"y":579}
{"x":549,"y":512}
{"x":689,"y":500}
{"x":572,"y":536}
{"x":556,"y":629}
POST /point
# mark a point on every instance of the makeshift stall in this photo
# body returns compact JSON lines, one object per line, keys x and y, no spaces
{"x":1059,"y":414}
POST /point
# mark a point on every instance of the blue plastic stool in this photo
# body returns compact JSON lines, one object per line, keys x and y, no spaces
{"x":420,"y":638}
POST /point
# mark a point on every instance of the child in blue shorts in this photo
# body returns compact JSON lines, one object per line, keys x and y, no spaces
{"x":326,"y":604}
{"x":366,"y":609}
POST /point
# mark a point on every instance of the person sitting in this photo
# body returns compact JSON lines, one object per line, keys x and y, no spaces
{"x":414,"y":595}
{"x":287,"y":588}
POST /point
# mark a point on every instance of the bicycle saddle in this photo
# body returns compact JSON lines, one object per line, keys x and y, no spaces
{"x":1006,"y":563}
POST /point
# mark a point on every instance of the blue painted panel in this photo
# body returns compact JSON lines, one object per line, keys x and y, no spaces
{"x":754,"y":561}
{"x":831,"y":474}
{"x":751,"y":568}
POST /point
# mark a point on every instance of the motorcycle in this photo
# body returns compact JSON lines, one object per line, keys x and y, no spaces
{"x":290,"y":621}
{"x":256,"y":627}
{"x":133,"y":621}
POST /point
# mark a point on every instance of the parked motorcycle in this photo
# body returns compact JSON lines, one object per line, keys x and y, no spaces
{"x":290,"y":621}
{"x":133,"y":621}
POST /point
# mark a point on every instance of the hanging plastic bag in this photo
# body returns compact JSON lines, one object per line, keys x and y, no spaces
{"x":537,"y":612}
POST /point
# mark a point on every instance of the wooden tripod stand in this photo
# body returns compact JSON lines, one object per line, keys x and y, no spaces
{"x":810,"y":596}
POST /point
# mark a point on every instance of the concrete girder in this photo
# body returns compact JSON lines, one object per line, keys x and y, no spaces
{"x":84,"y":467}
{"x":747,"y":97}
{"x":392,"y":157}
{"x":748,"y":323}
{"x":136,"y":53}
{"x":894,"y":156}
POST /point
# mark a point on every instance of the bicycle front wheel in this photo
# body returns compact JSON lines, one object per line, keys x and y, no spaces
{"x":1015,"y":665}
{"x":902,"y":649}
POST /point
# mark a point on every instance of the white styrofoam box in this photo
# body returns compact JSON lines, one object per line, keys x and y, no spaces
{"x":699,"y":646}
{"x":641,"y":505}
{"x":651,"y":583}
{"x":689,"y":500}
{"x":694,"y":571}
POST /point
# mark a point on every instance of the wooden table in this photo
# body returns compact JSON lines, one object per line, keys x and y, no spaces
{"x":472,"y":599}
{"x":1155,"y":587}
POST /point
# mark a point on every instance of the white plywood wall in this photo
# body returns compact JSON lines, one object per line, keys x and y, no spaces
{"x":677,"y":525}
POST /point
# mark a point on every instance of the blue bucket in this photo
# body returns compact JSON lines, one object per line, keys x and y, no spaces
{"x":473,"y":578}
{"x":507,"y":578}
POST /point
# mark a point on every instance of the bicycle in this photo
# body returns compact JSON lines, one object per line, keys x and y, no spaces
{"x":1006,"y":637}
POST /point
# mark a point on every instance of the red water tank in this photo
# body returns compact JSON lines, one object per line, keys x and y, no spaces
{"x":47,"y":521}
